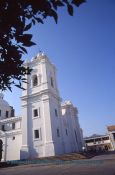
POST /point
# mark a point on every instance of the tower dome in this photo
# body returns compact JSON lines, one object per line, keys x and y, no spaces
{"x":2,"y":101}
{"x":1,"y":95}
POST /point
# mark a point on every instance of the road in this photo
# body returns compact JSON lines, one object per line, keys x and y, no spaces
{"x":99,"y":165}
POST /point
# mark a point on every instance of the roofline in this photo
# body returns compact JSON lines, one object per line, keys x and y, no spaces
{"x":88,"y":138}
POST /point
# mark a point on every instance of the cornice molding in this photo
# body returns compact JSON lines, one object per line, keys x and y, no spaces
{"x":42,"y":92}
{"x":10,"y":133}
{"x":12,"y":119}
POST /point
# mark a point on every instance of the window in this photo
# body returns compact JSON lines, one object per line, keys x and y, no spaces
{"x":114,"y":136}
{"x":56,"y":114}
{"x":12,"y":112}
{"x":3,"y":127}
{"x":105,"y":138}
{"x":52,"y":83}
{"x":13,"y":125}
{"x":0,"y":113}
{"x":13,"y":138}
{"x":89,"y":141}
{"x":35,"y":112}
{"x":98,"y":139}
{"x":36,"y":134}
{"x":7,"y":114}
{"x":66,"y":131}
{"x":76,"y":136}
{"x":58,"y":133}
{"x":35,"y":80}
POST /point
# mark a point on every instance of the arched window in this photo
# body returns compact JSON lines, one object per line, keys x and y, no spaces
{"x":35,"y":80}
{"x":52,"y":82}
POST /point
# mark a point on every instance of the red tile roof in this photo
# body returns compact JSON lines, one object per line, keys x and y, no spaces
{"x":111,"y":128}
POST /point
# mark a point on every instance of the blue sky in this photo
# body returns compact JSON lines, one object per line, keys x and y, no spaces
{"x":83,"y":49}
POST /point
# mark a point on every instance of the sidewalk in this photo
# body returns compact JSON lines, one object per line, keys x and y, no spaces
{"x":62,"y":159}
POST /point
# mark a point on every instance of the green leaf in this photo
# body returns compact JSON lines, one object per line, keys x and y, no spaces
{"x":29,"y":43}
{"x":59,"y":3}
{"x":78,"y":2}
{"x":28,"y":27}
{"x":19,"y":86}
{"x":23,"y":49}
{"x":54,"y":14}
{"x":70,"y":9}
{"x":24,"y":38}
{"x":33,"y":21}
{"x":39,"y":20}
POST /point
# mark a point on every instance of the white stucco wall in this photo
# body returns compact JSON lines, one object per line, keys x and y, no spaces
{"x":13,"y":146}
{"x":43,"y":96}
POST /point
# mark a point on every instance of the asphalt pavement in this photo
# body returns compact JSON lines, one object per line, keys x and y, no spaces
{"x":99,"y":165}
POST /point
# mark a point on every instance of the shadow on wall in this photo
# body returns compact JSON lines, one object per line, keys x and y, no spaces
{"x":31,"y":154}
{"x":1,"y":145}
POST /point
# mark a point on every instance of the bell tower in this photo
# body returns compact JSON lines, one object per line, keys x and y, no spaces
{"x":41,"y":110}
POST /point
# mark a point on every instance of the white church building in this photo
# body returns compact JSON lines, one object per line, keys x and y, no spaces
{"x":46,"y":127}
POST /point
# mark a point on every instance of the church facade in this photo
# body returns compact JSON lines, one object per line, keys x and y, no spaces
{"x":46,"y":127}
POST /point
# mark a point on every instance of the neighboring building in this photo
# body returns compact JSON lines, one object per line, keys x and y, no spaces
{"x":10,"y":131}
{"x":46,"y":128}
{"x":101,"y":142}
{"x":111,"y":131}
{"x":98,"y":143}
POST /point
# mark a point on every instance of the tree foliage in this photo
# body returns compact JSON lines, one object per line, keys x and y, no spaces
{"x":16,"y":18}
